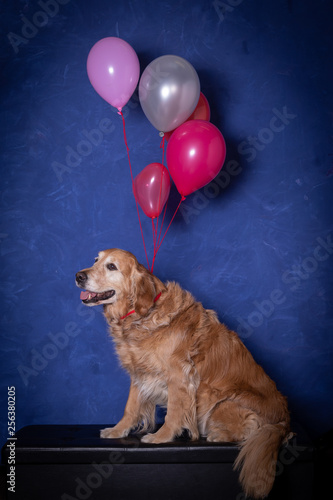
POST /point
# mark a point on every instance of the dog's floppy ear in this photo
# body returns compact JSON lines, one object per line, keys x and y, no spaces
{"x":144,"y":290}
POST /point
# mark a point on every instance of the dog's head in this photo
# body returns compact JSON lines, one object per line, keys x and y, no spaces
{"x":118,"y":279}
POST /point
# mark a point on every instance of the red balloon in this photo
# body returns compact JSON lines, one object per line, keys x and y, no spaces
{"x":195,"y":155}
{"x":201,"y":112}
{"x":152,"y":188}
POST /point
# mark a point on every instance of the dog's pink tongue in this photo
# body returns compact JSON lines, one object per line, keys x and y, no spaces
{"x":85,"y":295}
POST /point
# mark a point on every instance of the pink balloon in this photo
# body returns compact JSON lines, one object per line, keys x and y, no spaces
{"x":113,"y":70}
{"x":152,"y":188}
{"x":195,"y":155}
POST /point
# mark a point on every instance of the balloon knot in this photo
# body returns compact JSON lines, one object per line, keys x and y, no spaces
{"x":161,"y":134}
{"x":183,"y":198}
{"x":119,"y":111}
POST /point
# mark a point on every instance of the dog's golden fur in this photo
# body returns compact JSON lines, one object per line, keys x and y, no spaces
{"x":179,"y":355}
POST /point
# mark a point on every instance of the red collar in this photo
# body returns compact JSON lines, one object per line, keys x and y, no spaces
{"x":132,"y":312}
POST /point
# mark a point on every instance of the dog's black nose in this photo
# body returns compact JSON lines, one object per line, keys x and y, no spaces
{"x":81,"y":278}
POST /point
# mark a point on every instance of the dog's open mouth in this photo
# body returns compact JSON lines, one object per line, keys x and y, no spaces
{"x":91,"y":297}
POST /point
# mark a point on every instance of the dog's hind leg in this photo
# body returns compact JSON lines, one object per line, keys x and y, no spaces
{"x":229,"y":422}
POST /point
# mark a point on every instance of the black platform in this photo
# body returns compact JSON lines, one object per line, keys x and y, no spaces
{"x":58,"y":462}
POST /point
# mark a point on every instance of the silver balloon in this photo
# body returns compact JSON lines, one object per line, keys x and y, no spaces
{"x":169,"y":91}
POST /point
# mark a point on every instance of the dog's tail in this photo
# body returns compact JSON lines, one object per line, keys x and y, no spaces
{"x":257,"y":459}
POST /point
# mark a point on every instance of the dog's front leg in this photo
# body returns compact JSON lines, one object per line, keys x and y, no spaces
{"x":181,"y":413}
{"x":131,"y":418}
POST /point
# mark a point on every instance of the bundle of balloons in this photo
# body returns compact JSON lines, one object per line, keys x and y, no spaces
{"x":169,"y":93}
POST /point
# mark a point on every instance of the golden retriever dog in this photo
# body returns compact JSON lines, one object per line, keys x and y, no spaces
{"x":181,"y":357}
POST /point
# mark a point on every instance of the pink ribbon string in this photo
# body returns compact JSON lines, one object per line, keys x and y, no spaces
{"x":130,"y":166}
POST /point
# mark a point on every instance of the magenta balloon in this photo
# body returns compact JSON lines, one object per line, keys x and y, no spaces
{"x":195,"y":155}
{"x":113,"y":70}
{"x":152,"y":188}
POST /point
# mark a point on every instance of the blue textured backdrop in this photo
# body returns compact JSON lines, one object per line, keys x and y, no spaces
{"x":256,"y":245}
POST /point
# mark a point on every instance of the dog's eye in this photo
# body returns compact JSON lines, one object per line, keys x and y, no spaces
{"x":111,"y":267}
{"x":96,"y":259}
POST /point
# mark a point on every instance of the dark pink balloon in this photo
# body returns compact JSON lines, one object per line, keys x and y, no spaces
{"x":195,"y":155}
{"x":152,"y":188}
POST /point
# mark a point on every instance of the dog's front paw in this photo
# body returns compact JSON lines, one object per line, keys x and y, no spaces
{"x":112,"y":433}
{"x":150,"y":438}
{"x":156,"y":438}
